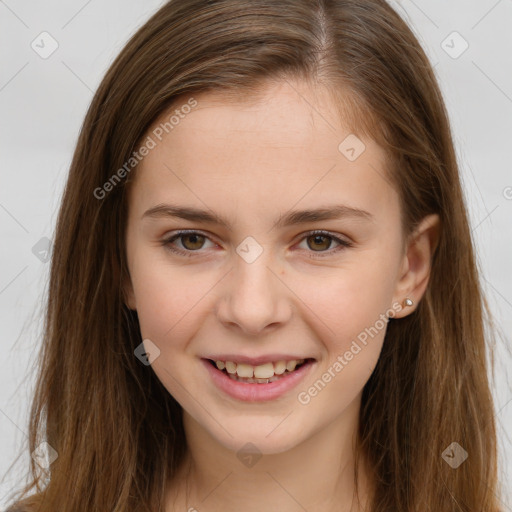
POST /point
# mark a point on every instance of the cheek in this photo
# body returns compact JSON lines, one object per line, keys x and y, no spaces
{"x":160,"y":296}
{"x":351,"y":323}
{"x":348,"y":299}
{"x":168,"y":308}
{"x":350,"y":307}
{"x":165,"y":301}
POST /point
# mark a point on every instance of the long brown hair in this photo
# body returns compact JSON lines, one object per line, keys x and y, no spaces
{"x":117,"y":431}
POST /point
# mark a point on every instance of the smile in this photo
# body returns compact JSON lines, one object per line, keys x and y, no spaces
{"x":251,"y":386}
{"x":261,"y":374}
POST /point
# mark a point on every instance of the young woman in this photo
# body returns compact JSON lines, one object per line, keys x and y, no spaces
{"x":263,"y":292}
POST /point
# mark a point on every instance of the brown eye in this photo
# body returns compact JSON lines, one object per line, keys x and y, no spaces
{"x":319,"y":242}
{"x":187,"y":243}
{"x":192,"y":241}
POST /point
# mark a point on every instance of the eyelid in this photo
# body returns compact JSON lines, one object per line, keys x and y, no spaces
{"x":338,"y":238}
{"x":168,"y":239}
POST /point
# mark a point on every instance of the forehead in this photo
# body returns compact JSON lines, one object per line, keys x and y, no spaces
{"x":285,"y":144}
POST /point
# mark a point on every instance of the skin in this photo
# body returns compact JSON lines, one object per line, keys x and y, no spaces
{"x":252,"y":161}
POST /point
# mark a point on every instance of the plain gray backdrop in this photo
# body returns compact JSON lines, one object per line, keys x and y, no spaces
{"x":43,"y":100}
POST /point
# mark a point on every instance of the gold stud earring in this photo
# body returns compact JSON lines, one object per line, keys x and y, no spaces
{"x":408,"y":302}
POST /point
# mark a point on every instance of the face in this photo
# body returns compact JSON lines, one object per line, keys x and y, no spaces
{"x":264,"y":284}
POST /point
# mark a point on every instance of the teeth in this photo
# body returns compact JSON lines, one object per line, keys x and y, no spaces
{"x":230,"y":367}
{"x":279,"y":367}
{"x":252,"y":381}
{"x":244,"y":370}
{"x":263,"y":373}
{"x":290,"y":365}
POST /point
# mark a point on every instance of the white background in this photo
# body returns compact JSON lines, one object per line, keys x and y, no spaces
{"x":42,"y":105}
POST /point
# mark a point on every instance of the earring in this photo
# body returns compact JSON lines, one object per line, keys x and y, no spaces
{"x":408,"y":302}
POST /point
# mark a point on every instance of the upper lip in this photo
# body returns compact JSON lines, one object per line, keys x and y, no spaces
{"x":255,"y":361}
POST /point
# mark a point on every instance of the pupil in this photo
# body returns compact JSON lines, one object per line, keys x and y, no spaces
{"x":317,"y":240}
{"x":194,"y":240}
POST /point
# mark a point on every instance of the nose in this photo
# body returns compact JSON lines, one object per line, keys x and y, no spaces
{"x":254,"y":297}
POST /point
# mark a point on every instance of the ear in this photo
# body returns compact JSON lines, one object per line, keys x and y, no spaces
{"x":416,"y":263}
{"x":128,"y":294}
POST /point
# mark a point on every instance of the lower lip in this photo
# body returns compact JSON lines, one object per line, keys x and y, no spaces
{"x":257,"y":392}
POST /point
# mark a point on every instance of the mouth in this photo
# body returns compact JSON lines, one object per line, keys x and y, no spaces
{"x":251,"y":388}
{"x":262,"y":374}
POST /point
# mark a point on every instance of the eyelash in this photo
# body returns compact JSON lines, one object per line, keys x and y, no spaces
{"x":344,"y":244}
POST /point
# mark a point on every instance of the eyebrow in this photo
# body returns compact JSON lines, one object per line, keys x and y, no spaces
{"x":291,"y":218}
